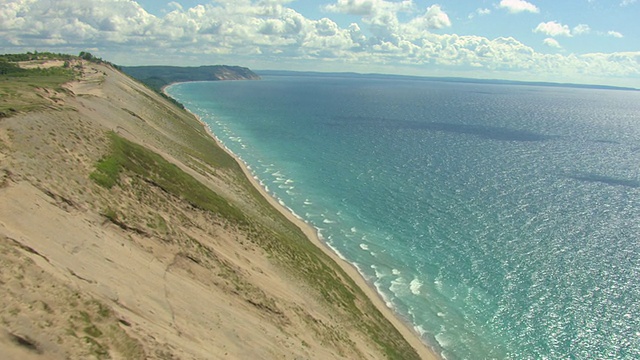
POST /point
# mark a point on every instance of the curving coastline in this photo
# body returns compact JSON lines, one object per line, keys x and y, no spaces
{"x":407,"y":331}
{"x":127,"y":232}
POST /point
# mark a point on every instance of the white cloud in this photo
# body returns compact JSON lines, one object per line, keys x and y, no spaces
{"x":627,"y":2}
{"x":553,"y":28}
{"x":581,"y":29}
{"x":273,"y":35}
{"x":479,"y":12}
{"x":518,"y":6}
{"x":433,"y":18}
{"x":369,"y":7}
{"x":551,"y":42}
{"x":614,"y":34}
{"x":175,"y":5}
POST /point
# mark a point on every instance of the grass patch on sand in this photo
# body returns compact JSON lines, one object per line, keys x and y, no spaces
{"x":18,"y":88}
{"x":268,"y":228}
{"x":264,"y":225}
{"x":107,"y":171}
{"x":156,"y":171}
{"x":287,"y":244}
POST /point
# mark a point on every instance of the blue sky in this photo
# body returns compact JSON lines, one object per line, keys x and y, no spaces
{"x":580,"y":41}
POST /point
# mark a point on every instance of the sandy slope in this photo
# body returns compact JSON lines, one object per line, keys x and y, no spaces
{"x":173,"y":282}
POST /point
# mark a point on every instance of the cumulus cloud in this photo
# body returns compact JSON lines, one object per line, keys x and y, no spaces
{"x":551,"y":42}
{"x":273,"y":33}
{"x":627,"y":2}
{"x":480,"y":12}
{"x":553,"y":28}
{"x":518,"y":6}
{"x":369,"y":7}
{"x":433,"y":18}
{"x":614,"y":34}
{"x":581,"y":29}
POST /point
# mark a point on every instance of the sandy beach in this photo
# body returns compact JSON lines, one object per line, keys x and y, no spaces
{"x":403,"y":327}
{"x":137,"y":270}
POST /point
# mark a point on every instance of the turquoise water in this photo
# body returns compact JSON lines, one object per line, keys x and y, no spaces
{"x":502,"y":221}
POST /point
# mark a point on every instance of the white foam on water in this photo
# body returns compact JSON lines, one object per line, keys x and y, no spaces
{"x":442,"y":340}
{"x":398,"y":287}
{"x":336,"y":251}
{"x":438,"y":284}
{"x":375,"y":269}
{"x":420,"y":330}
{"x":415,"y":285}
{"x":384,"y":296}
{"x":364,"y":247}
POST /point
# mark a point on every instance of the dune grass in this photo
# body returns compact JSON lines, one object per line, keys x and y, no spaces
{"x":264,"y":225}
{"x":155,"y":170}
{"x":19,"y":89}
{"x":281,"y":239}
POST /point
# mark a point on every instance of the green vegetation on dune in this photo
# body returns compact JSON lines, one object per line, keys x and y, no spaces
{"x":285,"y":242}
{"x":155,"y":170}
{"x":19,"y":87}
{"x":30,"y":56}
{"x":23,"y":90}
{"x":267,"y":228}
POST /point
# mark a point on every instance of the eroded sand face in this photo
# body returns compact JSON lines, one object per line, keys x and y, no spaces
{"x":174,"y":282}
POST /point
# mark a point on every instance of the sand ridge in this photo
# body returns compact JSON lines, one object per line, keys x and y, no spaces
{"x":148,"y":275}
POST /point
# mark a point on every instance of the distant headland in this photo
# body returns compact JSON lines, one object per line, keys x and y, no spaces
{"x":157,"y":77}
{"x":443,"y":79}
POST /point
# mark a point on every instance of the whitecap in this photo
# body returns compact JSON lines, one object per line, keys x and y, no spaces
{"x":441,"y":338}
{"x":438,"y":284}
{"x":353,"y":229}
{"x":395,"y":272}
{"x":336,"y":251}
{"x":364,"y":247}
{"x":420,"y":330}
{"x":384,"y":296}
{"x":327,"y":221}
{"x":415,"y":286}
{"x":398,"y":287}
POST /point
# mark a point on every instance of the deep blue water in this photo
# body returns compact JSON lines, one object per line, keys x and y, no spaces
{"x":502,"y":221}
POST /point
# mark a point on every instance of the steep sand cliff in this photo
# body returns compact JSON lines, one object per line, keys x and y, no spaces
{"x":155,"y":266}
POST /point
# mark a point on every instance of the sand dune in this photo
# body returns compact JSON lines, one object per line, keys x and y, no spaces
{"x":135,"y":271}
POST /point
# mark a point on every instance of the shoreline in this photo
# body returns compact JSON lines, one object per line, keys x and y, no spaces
{"x":405,"y":329}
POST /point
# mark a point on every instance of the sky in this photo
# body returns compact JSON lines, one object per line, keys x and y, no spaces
{"x":576,"y":41}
